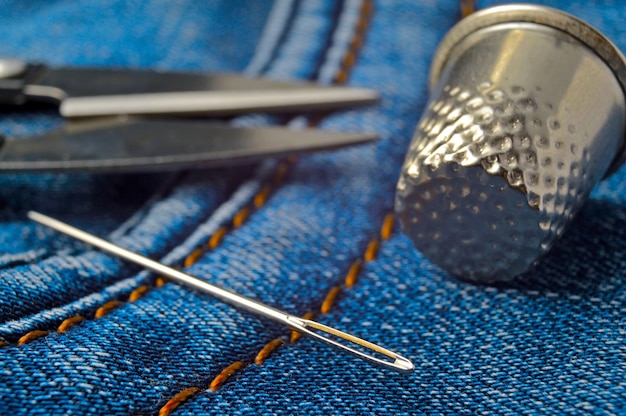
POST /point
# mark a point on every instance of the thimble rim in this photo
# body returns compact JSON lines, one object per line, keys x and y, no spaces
{"x":541,"y":15}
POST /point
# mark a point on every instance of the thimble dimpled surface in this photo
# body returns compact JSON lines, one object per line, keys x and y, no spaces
{"x":524,"y":122}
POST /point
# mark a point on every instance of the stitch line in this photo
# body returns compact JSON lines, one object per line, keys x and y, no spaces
{"x":329,"y":301}
{"x":176,"y":401}
{"x":353,"y":273}
{"x":271,"y":346}
{"x":37,"y":256}
{"x":267,"y":350}
{"x":225,"y":374}
{"x":295,"y":335}
{"x":261,"y":197}
{"x":31,"y":336}
{"x":216,"y":238}
{"x":258,"y":201}
{"x":70,"y":322}
{"x":342,"y":76}
{"x":191,"y":259}
{"x":357,"y":41}
{"x":278,"y":26}
{"x":169,"y":184}
{"x":240,"y":217}
{"x":124,"y":229}
{"x":138,"y":293}
{"x":372,"y":250}
{"x":336,"y":14}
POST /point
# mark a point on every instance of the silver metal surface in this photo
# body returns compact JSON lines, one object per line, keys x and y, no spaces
{"x":545,"y":16}
{"x":524,"y":119}
{"x":117,"y":118}
{"x":88,"y":92}
{"x":323,"y":333}
{"x":218,"y":103}
{"x":11,"y":67}
{"x":148,"y":144}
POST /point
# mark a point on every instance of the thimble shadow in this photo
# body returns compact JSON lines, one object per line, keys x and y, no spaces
{"x":588,"y":259}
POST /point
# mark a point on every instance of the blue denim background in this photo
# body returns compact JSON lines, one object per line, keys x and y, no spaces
{"x":550,"y":342}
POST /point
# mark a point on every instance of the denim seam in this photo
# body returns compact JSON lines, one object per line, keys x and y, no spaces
{"x":164,"y":190}
{"x":347,"y":63}
{"x":237,"y":220}
{"x":369,"y":254}
{"x":239,"y":216}
{"x":120,"y":231}
{"x":259,"y":199}
{"x":275,"y":32}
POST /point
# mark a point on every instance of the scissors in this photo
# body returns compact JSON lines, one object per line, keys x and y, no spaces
{"x":144,"y":120}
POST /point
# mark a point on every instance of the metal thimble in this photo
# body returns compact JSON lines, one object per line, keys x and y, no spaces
{"x":527,"y":113}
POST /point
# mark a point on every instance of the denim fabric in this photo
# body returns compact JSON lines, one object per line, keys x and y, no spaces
{"x":552,"y":341}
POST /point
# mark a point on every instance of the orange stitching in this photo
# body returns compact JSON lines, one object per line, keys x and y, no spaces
{"x":261,"y":196}
{"x":216,"y":238}
{"x":387,"y":228}
{"x":240,"y":217}
{"x":361,"y":29}
{"x":70,"y":322}
{"x":3,"y":344}
{"x":357,"y":43}
{"x":349,"y":60}
{"x":31,"y":336}
{"x":467,"y":7}
{"x":371,"y":250}
{"x":225,"y":374}
{"x":103,"y":310}
{"x":267,"y":350}
{"x":353,"y":273}
{"x":330,"y":299}
{"x":341,"y":78}
{"x":137,"y":293}
{"x":295,"y":335}
{"x":175,"y":401}
{"x":106,"y":308}
{"x":193,"y":257}
{"x":281,"y":172}
{"x":279,"y":175}
{"x":270,"y":347}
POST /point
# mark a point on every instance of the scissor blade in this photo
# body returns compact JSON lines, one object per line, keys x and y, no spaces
{"x":216,"y":103}
{"x":86,"y":92}
{"x":140,"y":145}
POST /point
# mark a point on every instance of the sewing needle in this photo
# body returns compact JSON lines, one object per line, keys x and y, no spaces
{"x":306,"y":326}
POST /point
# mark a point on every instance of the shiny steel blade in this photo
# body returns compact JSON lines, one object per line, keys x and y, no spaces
{"x":86,"y":92}
{"x":135,"y":144}
{"x":217,"y":103}
{"x":341,"y":340}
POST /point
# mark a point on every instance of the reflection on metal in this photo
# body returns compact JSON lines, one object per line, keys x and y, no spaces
{"x":328,"y":335}
{"x":525,"y":117}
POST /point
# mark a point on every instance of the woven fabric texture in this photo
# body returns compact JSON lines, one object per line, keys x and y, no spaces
{"x":84,"y":333}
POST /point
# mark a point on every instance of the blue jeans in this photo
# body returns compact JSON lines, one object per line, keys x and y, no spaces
{"x":83,"y":332}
